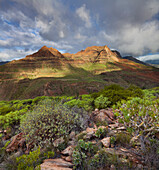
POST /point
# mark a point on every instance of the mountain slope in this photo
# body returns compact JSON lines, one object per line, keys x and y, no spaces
{"x":48,"y":72}
{"x":135,"y":60}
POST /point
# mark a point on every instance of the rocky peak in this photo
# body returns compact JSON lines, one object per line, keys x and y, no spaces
{"x":99,"y":54}
{"x":51,"y":50}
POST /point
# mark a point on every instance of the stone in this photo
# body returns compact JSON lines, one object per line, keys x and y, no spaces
{"x":103,"y":127}
{"x":17,"y":140}
{"x":81,"y":135}
{"x":96,"y":110}
{"x":68,"y":151}
{"x":72,"y":135}
{"x":125,"y":153}
{"x":56,"y":164}
{"x":72,"y":142}
{"x":157,"y":135}
{"x":112,"y":167}
{"x":140,"y":166}
{"x":91,"y":130}
{"x":106,"y":142}
{"x":89,"y":135}
{"x":68,"y":159}
{"x":109,"y":113}
{"x":15,"y":155}
{"x":103,"y":115}
{"x":58,"y":141}
{"x":116,"y":125}
{"x":121,"y":128}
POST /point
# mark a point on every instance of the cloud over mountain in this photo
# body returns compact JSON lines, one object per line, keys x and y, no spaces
{"x":132,"y":27}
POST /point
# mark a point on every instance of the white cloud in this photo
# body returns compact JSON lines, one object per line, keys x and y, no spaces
{"x":139,"y":40}
{"x":130,"y":26}
{"x":149,"y":57}
{"x":83,"y":13}
{"x":10,"y":54}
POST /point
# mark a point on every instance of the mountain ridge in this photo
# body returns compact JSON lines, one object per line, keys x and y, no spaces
{"x":49,"y":72}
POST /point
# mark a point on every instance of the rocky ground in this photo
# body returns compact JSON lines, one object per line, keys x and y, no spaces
{"x":116,"y":141}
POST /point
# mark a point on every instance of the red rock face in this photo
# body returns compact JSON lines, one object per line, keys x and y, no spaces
{"x":48,"y":56}
{"x":50,"y":63}
{"x":94,"y":54}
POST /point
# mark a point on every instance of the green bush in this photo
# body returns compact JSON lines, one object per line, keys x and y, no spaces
{"x":101,"y":102}
{"x":82,"y":153}
{"x":84,"y":101}
{"x":123,"y":138}
{"x":140,"y":117}
{"x":101,"y":132}
{"x":116,"y":93}
{"x":28,"y":161}
{"x":50,"y":120}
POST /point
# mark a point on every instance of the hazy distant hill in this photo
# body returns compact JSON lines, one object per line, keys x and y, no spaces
{"x":48,"y":72}
{"x":152,"y":61}
{"x":3,"y":62}
{"x":135,"y":60}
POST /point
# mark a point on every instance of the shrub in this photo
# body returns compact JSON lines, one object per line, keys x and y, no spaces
{"x":140,"y":117}
{"x":101,"y":102}
{"x":116,"y":93}
{"x":50,"y":120}
{"x":151,"y":154}
{"x":82,"y":153}
{"x":101,"y":132}
{"x":28,"y":161}
{"x":123,"y":138}
{"x":84,"y":101}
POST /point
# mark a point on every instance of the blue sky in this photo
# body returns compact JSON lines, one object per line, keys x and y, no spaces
{"x":129,"y":26}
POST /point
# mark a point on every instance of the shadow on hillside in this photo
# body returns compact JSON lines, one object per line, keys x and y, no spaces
{"x":75,"y":84}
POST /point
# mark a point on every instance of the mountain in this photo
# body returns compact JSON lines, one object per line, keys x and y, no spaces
{"x":3,"y":62}
{"x":152,"y":61}
{"x":135,"y":60}
{"x":48,"y":72}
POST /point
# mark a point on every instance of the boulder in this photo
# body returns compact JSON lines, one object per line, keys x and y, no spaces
{"x":58,"y":141}
{"x":56,"y":164}
{"x":106,"y":142}
{"x":103,"y":115}
{"x":18,"y":141}
{"x":68,"y":151}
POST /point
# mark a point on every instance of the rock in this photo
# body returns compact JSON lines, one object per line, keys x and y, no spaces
{"x":106,"y":142}
{"x":18,"y":140}
{"x":157,"y":135}
{"x":125,"y":153}
{"x":103,"y":115}
{"x":121,"y":128}
{"x":68,"y":151}
{"x":103,"y":127}
{"x":15,"y":155}
{"x":72,"y":135}
{"x":112,"y":132}
{"x":58,"y":141}
{"x":139,"y":166}
{"x":68,"y":159}
{"x":94,"y":142}
{"x":91,"y":130}
{"x":109,"y":113}
{"x":81,"y":135}
{"x":56,"y":164}
{"x":89,"y":135}
{"x":112,"y":126}
{"x":112,"y":167}
{"x":96,"y":110}
{"x":134,"y":140}
{"x":72,"y":142}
